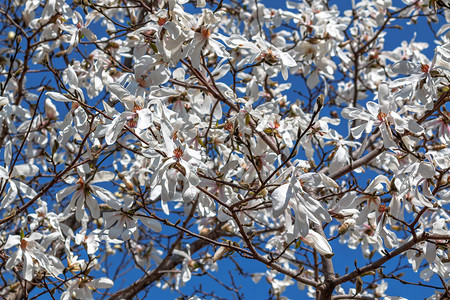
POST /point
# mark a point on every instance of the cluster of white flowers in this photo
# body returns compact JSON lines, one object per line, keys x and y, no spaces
{"x":259,"y":125}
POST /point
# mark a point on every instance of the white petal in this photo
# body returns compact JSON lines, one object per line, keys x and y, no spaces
{"x":8,"y":154}
{"x":181,"y":253}
{"x":387,"y":136}
{"x":378,"y":180}
{"x":102,"y":176}
{"x":116,"y":230}
{"x":27,"y":170}
{"x":405,"y":67}
{"x":27,"y":267}
{"x":145,"y":118}
{"x":72,"y":78}
{"x":280,"y":199}
{"x":27,"y":191}
{"x":118,"y":90}
{"x":13,"y":240}
{"x":218,"y":111}
{"x":58,"y":97}
{"x":34,"y":236}
{"x":151,"y":223}
{"x":3,"y":173}
{"x":358,"y":130}
{"x":10,"y":195}
{"x":102,"y":283}
{"x":426,"y":170}
{"x":14,"y":259}
{"x":65,"y":192}
{"x":93,"y":206}
{"x":160,"y":75}
{"x":173,"y":30}
{"x":114,"y":129}
{"x":414,"y":127}
{"x":319,"y":243}
{"x":313,"y":79}
{"x":167,"y":130}
{"x":79,"y":209}
{"x":89,"y":35}
{"x":373,"y":108}
{"x":287,"y":60}
{"x":186,"y":273}
{"x":301,"y":220}
{"x":430,"y":252}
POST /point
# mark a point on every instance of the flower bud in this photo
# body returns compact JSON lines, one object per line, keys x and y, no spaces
{"x":220,"y":252}
{"x":50,"y":109}
{"x":11,"y":35}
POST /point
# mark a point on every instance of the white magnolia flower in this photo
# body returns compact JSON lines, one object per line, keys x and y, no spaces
{"x":203,"y":36}
{"x":146,"y":253}
{"x":42,"y":216}
{"x":82,"y":288}
{"x":136,"y":114}
{"x":79,"y":30}
{"x":183,"y":164}
{"x":84,"y":192}
{"x":307,"y":209}
{"x":123,"y":222}
{"x":32,"y":254}
{"x":185,"y":270}
{"x":7,"y":173}
{"x":262,"y":51}
{"x":442,"y":127}
{"x":381,"y":115}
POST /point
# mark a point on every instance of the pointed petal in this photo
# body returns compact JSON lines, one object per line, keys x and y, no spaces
{"x":58,"y":97}
{"x":14,"y":259}
{"x":93,"y":206}
{"x":27,"y":170}
{"x":65,"y":192}
{"x":151,"y":223}
{"x":13,"y":240}
{"x":319,"y":243}
{"x":280,"y":199}
{"x":102,"y":283}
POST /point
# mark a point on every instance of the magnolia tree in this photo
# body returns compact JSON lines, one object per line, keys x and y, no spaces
{"x":148,"y":142}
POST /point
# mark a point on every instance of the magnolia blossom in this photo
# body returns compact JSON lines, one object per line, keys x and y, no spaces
{"x":306,"y":208}
{"x":261,"y":51}
{"x":84,"y":192}
{"x":29,"y":251}
{"x":146,"y":254}
{"x":442,"y":125}
{"x":124,"y":222}
{"x":50,"y":109}
{"x":381,"y":115}
{"x":187,"y":261}
{"x":81,"y":288}
{"x":78,"y":30}
{"x":136,"y":115}
{"x":43,"y":216}
{"x":6,"y":174}
{"x":422,"y":78}
{"x":183,"y":163}
{"x":204,"y":35}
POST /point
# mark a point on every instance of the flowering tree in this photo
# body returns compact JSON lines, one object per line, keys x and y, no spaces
{"x":148,"y":142}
